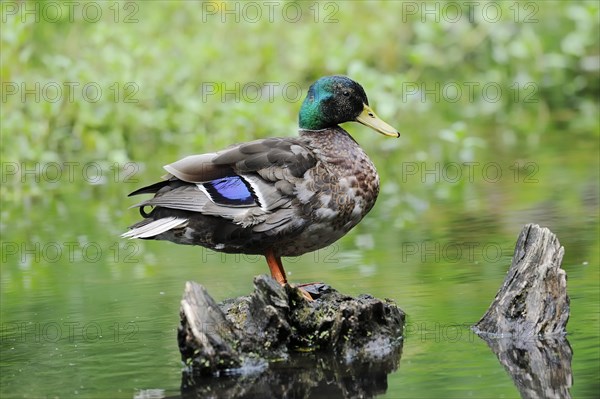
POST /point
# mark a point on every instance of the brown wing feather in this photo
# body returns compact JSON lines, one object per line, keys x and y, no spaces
{"x":198,"y":169}
{"x":254,"y":156}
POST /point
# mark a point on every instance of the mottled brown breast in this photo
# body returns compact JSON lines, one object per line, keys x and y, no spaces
{"x":344,"y":182}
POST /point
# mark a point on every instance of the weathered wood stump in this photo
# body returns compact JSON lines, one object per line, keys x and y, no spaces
{"x":533,"y":299}
{"x":525,"y":325}
{"x":246,"y":334}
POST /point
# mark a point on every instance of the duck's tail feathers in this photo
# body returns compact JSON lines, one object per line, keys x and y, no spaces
{"x":151,"y":189}
{"x":150,"y":228}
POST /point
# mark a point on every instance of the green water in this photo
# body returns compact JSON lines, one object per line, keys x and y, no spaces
{"x":87,"y":314}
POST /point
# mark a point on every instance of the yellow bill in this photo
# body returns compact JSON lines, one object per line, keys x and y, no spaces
{"x":368,"y":118}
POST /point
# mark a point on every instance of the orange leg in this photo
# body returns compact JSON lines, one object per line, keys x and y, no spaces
{"x":276,"y":267}
{"x":278,"y":273}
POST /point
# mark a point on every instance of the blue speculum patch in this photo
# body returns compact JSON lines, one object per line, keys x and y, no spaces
{"x":231,"y":190}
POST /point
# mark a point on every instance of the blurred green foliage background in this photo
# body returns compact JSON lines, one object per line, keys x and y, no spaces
{"x":170,"y":51}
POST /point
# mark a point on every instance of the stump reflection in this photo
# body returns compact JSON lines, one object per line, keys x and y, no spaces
{"x":303,"y":375}
{"x":540,"y":368}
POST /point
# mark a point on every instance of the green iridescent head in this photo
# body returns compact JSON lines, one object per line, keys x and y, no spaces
{"x":332,"y":100}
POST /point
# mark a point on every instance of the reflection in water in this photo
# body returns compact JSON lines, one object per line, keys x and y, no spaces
{"x":303,"y":375}
{"x":540,"y":368}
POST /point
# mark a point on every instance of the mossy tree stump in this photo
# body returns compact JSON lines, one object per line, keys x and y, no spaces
{"x":246,"y":334}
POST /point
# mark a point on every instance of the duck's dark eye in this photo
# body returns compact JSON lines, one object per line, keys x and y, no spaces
{"x":346,"y":93}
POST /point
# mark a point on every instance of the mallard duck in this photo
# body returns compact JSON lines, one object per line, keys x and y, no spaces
{"x":277,"y":196}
